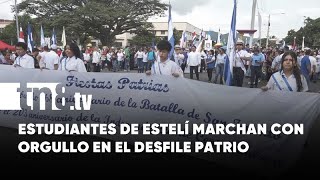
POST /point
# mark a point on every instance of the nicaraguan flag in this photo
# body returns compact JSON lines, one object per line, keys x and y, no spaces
{"x":170,"y":32}
{"x":30,"y":39}
{"x":183,"y":39}
{"x":21,"y":35}
{"x":231,"y":51}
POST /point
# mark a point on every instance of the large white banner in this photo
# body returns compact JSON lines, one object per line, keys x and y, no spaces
{"x":137,"y":98}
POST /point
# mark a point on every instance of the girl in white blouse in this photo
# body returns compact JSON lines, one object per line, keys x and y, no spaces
{"x":72,"y":62}
{"x":289,"y":78}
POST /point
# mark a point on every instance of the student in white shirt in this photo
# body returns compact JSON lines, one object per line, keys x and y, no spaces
{"x":72,"y":62}
{"x":96,"y":59}
{"x":289,"y":78}
{"x":194,"y":61}
{"x":313,"y":62}
{"x":23,"y":60}
{"x":139,"y":57}
{"x":239,"y":69}
{"x":51,"y":59}
{"x":165,"y":66}
{"x":221,"y":60}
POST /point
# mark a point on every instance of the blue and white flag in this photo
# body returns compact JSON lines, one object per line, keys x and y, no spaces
{"x":54,"y":37}
{"x":43,"y":42}
{"x":183,"y":39}
{"x":30,"y":39}
{"x":63,"y":38}
{"x":231,"y":52}
{"x":170,"y":32}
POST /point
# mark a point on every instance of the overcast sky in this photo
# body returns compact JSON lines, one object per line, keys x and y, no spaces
{"x":215,"y":14}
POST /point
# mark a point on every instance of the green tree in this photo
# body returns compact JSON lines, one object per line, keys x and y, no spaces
{"x":102,"y":19}
{"x":143,"y":39}
{"x":311,"y":32}
{"x":9,"y":33}
{"x":177,"y":36}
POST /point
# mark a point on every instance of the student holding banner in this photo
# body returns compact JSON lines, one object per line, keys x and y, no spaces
{"x":23,"y":60}
{"x":72,"y":62}
{"x":165,"y":66}
{"x":289,"y":78}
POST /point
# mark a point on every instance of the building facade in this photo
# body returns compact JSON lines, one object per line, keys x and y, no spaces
{"x":160,"y":29}
{"x":4,"y":23}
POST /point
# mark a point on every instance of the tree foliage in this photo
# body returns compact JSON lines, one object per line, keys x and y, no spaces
{"x":144,"y":39}
{"x":102,"y":19}
{"x":177,"y":36}
{"x":9,"y":33}
{"x":311,"y":32}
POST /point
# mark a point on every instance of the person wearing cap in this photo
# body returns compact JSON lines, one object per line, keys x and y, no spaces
{"x":239,"y":69}
{"x":165,"y":66}
{"x":177,"y":56}
{"x":23,"y":60}
{"x":50,"y":59}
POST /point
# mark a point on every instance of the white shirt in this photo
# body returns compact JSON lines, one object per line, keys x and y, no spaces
{"x":291,"y":81}
{"x":86,"y":57}
{"x":221,"y":59}
{"x":145,"y":57}
{"x":120,"y":56}
{"x":248,"y":55}
{"x":276,"y":63}
{"x":72,"y":64}
{"x":318,"y":66}
{"x":178,"y":58}
{"x":41,"y":61}
{"x":238,"y":63}
{"x":50,"y":59}
{"x":194,"y":59}
{"x":139,"y":54}
{"x":96,"y":57}
{"x":313,"y":62}
{"x":166,"y":68}
{"x":25,"y":61}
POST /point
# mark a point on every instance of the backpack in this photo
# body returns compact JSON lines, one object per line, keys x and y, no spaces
{"x":154,"y":56}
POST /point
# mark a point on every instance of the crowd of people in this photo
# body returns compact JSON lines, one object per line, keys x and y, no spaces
{"x":269,"y":64}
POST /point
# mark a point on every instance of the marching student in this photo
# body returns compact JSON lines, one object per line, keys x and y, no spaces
{"x":23,"y":60}
{"x":165,"y":66}
{"x":51,"y":58}
{"x":239,"y":64}
{"x":210,"y":63}
{"x":194,"y":61}
{"x":72,"y":62}
{"x":221,"y":60}
{"x":256,"y":67}
{"x":289,"y":78}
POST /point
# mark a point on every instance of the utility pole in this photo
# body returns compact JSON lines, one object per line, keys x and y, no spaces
{"x":268,"y":32}
{"x":17,"y":21}
{"x":254,"y":7}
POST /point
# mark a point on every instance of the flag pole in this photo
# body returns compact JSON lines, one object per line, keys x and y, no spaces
{"x":17,"y":21}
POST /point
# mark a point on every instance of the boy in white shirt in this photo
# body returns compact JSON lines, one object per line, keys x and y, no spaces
{"x":165,"y":66}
